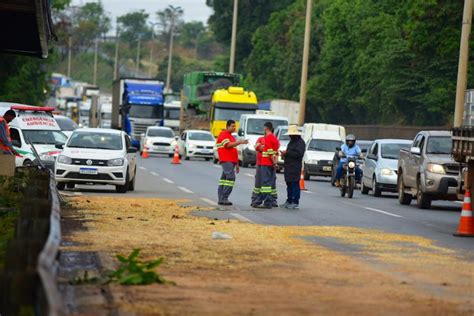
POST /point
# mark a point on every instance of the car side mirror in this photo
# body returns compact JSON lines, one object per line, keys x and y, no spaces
{"x":59,"y":146}
{"x":364,"y":151}
{"x":132,"y":150}
{"x":338,"y":148}
{"x":176,"y":137}
{"x":16,"y":143}
{"x":241,"y":132}
{"x":142,"y":135}
{"x":415,"y":151}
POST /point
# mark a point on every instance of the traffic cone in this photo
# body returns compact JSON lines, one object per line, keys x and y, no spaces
{"x":145,"y":153}
{"x":302,"y":186}
{"x":466,"y":223}
{"x":176,"y":160}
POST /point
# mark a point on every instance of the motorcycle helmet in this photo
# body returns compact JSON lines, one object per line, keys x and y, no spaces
{"x":350,"y":140}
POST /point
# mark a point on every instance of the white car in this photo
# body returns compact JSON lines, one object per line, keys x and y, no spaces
{"x":158,"y":140}
{"x":196,"y":144}
{"x":97,"y":156}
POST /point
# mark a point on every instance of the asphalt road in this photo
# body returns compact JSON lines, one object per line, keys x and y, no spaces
{"x":320,"y":205}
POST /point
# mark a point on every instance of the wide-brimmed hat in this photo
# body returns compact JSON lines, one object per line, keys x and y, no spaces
{"x":293,"y":130}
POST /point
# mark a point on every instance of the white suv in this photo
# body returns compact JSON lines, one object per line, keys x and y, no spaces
{"x":97,"y":156}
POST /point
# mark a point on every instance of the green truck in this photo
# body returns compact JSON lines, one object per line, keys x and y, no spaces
{"x":196,"y":98}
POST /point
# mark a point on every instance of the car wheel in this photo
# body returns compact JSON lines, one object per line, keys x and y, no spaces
{"x":423,"y":200}
{"x":245,"y":164}
{"x":364,"y":189}
{"x":186,"y":155}
{"x":306,"y":175}
{"x":170,"y":155}
{"x":131,"y":185}
{"x":27,"y":163}
{"x":216,"y":161}
{"x":61,"y":185}
{"x":124,"y":187}
{"x":70,"y":185}
{"x":208,"y":159}
{"x":403,"y":198}
{"x":375,"y":188}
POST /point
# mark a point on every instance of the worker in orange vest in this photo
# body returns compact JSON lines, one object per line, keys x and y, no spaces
{"x":5,"y":140}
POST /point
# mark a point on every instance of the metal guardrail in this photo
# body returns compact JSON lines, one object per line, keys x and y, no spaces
{"x":29,"y":278}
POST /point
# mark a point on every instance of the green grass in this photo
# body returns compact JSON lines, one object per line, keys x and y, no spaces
{"x":7,"y":229}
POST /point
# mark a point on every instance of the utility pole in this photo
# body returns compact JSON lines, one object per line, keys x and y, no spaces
{"x":151,"y":47}
{"x":170,"y":56}
{"x":234,"y":37}
{"x":116,"y":70}
{"x":304,"y":67}
{"x":69,"y":56}
{"x":96,"y":48}
{"x":138,"y":57}
{"x":463,"y":61}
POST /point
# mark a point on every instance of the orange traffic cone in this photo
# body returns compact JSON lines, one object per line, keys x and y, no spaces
{"x":176,"y":160}
{"x":302,"y":186}
{"x":466,"y":223}
{"x":145,"y":154}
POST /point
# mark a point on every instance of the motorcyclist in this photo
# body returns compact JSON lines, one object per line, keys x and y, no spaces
{"x":349,"y":149}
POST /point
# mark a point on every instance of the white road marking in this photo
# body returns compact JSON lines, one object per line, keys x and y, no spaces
{"x":216,"y":166}
{"x":309,"y":192}
{"x":155,"y":174}
{"x":168,"y":180}
{"x":459,"y":202}
{"x":249,"y":175}
{"x":242,"y":218}
{"x":209,"y":201}
{"x":185,"y":190}
{"x":142,"y":168}
{"x":383,"y":212}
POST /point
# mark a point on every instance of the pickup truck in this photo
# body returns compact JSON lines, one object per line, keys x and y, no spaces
{"x":427,"y":171}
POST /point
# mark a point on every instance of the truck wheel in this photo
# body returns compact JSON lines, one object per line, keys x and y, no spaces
{"x":364,"y":189}
{"x":375,"y":189}
{"x":423,"y":200}
{"x":403,"y":198}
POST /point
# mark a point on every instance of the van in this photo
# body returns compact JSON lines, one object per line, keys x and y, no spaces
{"x":322,"y":140}
{"x":251,"y":128}
{"x":35,"y":127}
{"x":106,"y":115}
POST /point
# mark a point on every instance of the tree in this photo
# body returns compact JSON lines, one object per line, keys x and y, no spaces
{"x":93,"y":13}
{"x":190,"y":33}
{"x":134,"y":26}
{"x":168,"y":18}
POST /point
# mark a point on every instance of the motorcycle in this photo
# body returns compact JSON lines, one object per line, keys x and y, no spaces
{"x":348,"y":181}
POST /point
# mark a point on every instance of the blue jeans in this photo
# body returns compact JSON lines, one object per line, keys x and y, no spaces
{"x":339,"y":170}
{"x":294,"y":192}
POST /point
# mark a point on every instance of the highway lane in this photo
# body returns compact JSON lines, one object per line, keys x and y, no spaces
{"x":321,"y":205}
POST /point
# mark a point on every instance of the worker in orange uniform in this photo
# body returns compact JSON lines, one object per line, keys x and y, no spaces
{"x":229,"y":160}
{"x":259,"y":147}
{"x":5,"y":140}
{"x":267,"y":196}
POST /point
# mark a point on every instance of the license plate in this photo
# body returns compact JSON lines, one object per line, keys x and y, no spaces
{"x":161,"y":148}
{"x":88,"y":171}
{"x":327,"y":168}
{"x":206,"y":151}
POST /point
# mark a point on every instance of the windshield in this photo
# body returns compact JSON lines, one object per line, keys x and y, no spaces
{"x":160,"y":132}
{"x":392,"y":151}
{"x":172,"y":97}
{"x":200,"y":136}
{"x":146,"y":111}
{"x":255,"y":126}
{"x":324,"y":145}
{"x":230,"y":114}
{"x":84,"y":112}
{"x":282,"y":135}
{"x":439,"y":145}
{"x":106,"y":116}
{"x":66,"y":124}
{"x":172,"y":114}
{"x":95,"y":141}
{"x":44,"y":137}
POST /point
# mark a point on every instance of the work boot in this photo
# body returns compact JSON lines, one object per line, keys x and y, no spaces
{"x":293,"y":207}
{"x":337,"y":184}
{"x":285,"y":205}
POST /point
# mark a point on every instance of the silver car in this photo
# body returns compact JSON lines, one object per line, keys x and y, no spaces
{"x":380,"y":169}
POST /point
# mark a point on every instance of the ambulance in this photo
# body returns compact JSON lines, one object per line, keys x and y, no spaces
{"x":36,"y":126}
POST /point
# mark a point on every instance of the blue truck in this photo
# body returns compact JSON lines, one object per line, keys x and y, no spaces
{"x":136,"y":105}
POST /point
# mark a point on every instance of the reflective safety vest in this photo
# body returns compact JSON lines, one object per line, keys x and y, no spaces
{"x":226,"y":154}
{"x":3,"y":146}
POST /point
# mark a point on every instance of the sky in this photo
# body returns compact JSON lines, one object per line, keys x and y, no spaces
{"x":194,"y":10}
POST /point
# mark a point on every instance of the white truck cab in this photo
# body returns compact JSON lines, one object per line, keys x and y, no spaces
{"x":35,"y":126}
{"x":251,"y":128}
{"x":321,"y":143}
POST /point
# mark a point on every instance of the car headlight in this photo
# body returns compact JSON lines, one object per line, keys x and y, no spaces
{"x":46,"y":157}
{"x":435,"y":168}
{"x":351,"y":164}
{"x":64,"y":159}
{"x":115,"y":162}
{"x":191,"y":145}
{"x":149,"y":142}
{"x":313,"y":161}
{"x":386,"y":172}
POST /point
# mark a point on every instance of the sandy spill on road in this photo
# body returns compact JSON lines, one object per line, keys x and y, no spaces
{"x":268,"y":270}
